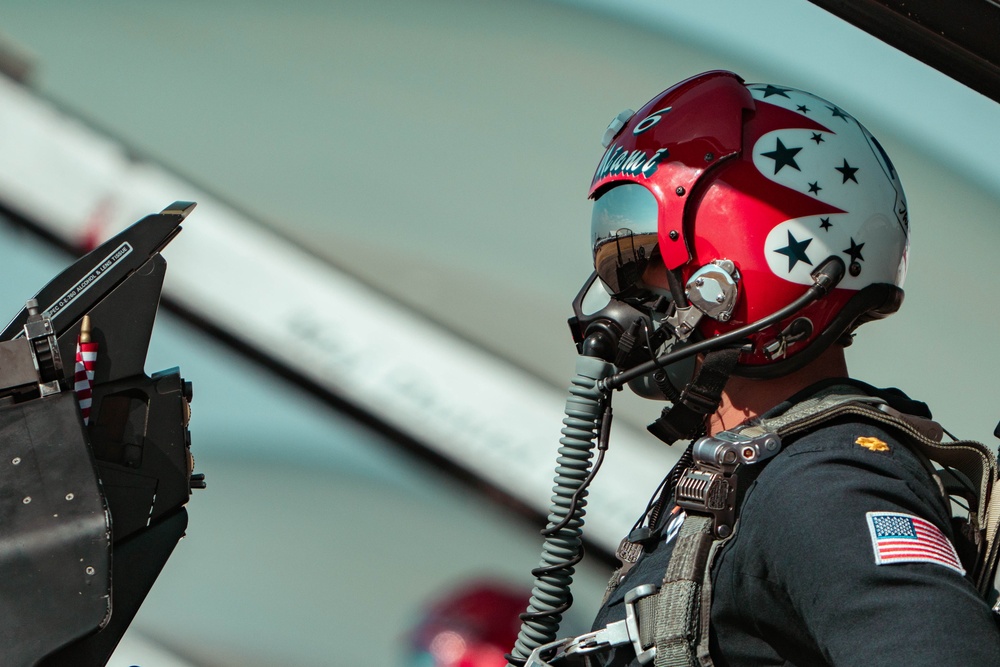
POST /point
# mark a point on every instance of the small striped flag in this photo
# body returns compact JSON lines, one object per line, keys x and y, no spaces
{"x":83,"y":378}
{"x":904,"y":538}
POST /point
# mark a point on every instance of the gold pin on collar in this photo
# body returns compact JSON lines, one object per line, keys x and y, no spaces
{"x":874,"y":444}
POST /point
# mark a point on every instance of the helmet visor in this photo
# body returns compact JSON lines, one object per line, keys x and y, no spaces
{"x":623,"y":235}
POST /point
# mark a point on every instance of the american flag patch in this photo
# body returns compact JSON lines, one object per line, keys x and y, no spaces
{"x":904,"y":538}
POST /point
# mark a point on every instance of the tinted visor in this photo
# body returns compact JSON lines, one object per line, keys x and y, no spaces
{"x":623,"y":235}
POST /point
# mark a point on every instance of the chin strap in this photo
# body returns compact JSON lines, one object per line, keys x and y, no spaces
{"x":685,"y":418}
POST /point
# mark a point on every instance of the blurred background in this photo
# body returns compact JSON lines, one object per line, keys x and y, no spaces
{"x":371,"y":296}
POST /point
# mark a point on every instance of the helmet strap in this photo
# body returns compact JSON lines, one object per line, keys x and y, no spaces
{"x":686,"y":418}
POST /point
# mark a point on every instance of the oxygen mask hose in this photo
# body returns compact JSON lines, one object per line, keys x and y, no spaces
{"x":562,"y":550}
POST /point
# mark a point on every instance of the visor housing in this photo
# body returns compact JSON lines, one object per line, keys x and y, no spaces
{"x":623,"y":235}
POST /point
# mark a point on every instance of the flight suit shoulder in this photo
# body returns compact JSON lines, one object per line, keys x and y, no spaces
{"x":812,"y":557}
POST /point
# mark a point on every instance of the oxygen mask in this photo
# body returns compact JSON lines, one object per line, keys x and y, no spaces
{"x":631,"y":330}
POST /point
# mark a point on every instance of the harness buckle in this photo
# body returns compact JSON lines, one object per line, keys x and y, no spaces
{"x":614,"y":634}
{"x":709,"y":487}
{"x":712,"y":492}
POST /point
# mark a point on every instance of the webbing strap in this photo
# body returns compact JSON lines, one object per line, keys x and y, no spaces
{"x":991,"y":519}
{"x":678,"y":612}
{"x":647,"y":630}
{"x":685,"y":418}
{"x":973,"y":459}
{"x":703,"y":652}
{"x":819,"y":404}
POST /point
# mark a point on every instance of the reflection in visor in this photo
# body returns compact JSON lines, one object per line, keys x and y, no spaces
{"x":623,"y":234}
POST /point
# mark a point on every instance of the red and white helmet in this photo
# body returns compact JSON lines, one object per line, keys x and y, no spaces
{"x":743,"y":190}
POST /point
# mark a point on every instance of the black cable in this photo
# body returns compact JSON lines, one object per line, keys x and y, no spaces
{"x":663,"y":494}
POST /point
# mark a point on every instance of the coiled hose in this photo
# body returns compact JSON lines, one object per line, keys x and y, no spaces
{"x":562,"y":549}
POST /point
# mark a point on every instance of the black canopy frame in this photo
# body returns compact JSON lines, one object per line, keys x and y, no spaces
{"x":960,"y":38}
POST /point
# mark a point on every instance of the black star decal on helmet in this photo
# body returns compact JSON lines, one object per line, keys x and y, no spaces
{"x":783,"y":157}
{"x":818,"y":138}
{"x":814,"y":188}
{"x":824,"y":223}
{"x":769,"y":90}
{"x":855,"y":251}
{"x":795,"y":251}
{"x":848,"y":171}
{"x":837,"y":113}
{"x":803,"y":108}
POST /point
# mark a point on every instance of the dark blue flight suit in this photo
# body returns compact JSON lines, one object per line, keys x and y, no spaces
{"x":799,"y":584}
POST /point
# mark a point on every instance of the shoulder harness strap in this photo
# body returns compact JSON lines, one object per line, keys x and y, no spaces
{"x":682,"y":607}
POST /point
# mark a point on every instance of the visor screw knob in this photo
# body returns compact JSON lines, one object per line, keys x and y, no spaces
{"x":680,"y":190}
{"x":855,"y":269}
{"x":674,"y":235}
{"x":709,"y":157}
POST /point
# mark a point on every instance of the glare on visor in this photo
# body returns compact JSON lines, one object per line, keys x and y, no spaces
{"x":623,"y":235}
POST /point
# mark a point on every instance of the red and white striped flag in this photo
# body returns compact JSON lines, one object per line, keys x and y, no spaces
{"x":86,"y":357}
{"x":904,"y":538}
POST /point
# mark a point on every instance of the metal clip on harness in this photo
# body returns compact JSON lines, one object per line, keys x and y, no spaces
{"x":618,"y":633}
{"x":709,"y":486}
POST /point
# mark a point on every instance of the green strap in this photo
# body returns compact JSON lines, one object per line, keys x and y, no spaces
{"x":703,"y":653}
{"x":678,"y":605}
